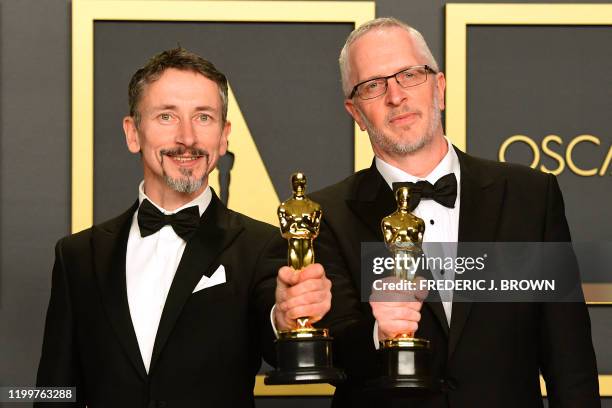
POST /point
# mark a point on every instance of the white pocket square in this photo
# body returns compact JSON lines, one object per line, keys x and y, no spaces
{"x":217,"y":278}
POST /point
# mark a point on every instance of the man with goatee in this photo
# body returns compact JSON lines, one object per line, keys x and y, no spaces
{"x":168,"y":305}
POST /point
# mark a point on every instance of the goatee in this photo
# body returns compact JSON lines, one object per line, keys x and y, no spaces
{"x":186,"y":184}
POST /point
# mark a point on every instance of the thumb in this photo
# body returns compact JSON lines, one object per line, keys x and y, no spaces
{"x":287,"y":276}
{"x":313,"y":271}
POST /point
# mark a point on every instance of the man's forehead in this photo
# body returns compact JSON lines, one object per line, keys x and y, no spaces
{"x":176,"y":85}
{"x":183,"y":77}
{"x":382,"y":52}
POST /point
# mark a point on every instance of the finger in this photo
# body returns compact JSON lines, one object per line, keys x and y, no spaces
{"x":397,"y":311}
{"x":282,"y":321}
{"x":389,"y":296}
{"x":400,"y":305}
{"x":313,"y":310}
{"x":405,"y":311}
{"x":402,"y":314}
{"x":385,"y":295}
{"x":313,"y":271}
{"x":393,"y":328}
{"x":304,"y":299}
{"x":314,"y":319}
{"x":421,"y":294}
{"x":311,"y":285}
{"x":288,"y":276}
{"x":413,"y":305}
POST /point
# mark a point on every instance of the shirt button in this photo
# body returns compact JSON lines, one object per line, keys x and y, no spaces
{"x":431,"y":222}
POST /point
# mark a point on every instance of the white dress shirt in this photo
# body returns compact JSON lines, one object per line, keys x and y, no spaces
{"x":151,"y":263}
{"x":441,"y":223}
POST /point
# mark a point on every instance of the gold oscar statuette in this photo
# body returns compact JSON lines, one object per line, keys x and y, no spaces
{"x":406,"y":359}
{"x":300,"y":221}
{"x":304,"y":352}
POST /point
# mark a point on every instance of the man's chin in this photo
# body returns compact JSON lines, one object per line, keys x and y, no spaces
{"x":400,"y":146}
{"x":185,"y":185}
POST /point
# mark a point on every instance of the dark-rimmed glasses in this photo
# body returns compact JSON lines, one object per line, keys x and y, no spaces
{"x":406,"y":78}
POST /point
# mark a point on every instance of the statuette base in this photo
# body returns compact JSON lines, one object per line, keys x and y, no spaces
{"x":406,"y":363}
{"x":304,"y":357}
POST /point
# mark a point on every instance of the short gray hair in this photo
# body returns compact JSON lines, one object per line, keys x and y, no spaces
{"x":381,"y":23}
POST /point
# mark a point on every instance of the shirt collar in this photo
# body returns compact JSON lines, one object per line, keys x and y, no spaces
{"x":448,"y":164}
{"x":201,"y":201}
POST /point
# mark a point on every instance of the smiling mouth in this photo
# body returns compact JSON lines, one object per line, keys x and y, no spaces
{"x":183,"y":159}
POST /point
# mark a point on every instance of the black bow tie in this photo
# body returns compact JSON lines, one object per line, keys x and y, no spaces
{"x":151,"y":220}
{"x":443,"y":192}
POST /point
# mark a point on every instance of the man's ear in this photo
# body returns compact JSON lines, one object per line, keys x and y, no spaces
{"x":131,"y":134}
{"x":223,"y":143}
{"x":350,"y":107}
{"x":441,"y":84}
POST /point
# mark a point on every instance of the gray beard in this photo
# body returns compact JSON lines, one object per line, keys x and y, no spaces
{"x":184,"y":184}
{"x":388,"y":145}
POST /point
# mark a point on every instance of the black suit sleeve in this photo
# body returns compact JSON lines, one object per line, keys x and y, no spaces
{"x":272,"y":258}
{"x":59,"y":366}
{"x":567,"y":357}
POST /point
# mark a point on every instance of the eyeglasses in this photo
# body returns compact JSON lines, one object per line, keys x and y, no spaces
{"x":411,"y":76}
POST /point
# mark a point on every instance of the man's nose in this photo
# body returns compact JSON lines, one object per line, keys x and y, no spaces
{"x":186,"y":134}
{"x":396,"y":94}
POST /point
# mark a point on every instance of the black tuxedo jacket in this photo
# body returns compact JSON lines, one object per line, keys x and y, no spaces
{"x":209,"y":344}
{"x":493,"y":353}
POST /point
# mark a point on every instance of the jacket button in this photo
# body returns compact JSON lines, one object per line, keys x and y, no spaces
{"x":162,"y":404}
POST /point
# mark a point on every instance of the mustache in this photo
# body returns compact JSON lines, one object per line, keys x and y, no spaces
{"x":180,"y":151}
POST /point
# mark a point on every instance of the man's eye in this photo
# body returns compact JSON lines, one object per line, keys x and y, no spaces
{"x":204,"y":117}
{"x":165,"y":116}
{"x":370,"y":86}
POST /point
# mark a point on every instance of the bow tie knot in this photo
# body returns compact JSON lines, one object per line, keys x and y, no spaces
{"x":168,"y":218}
{"x":184,"y":223}
{"x":444,"y":191}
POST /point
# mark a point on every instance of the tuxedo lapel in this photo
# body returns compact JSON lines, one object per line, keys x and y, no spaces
{"x":371,"y":201}
{"x":109,"y":242}
{"x":214,"y":234}
{"x":481,"y":198}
